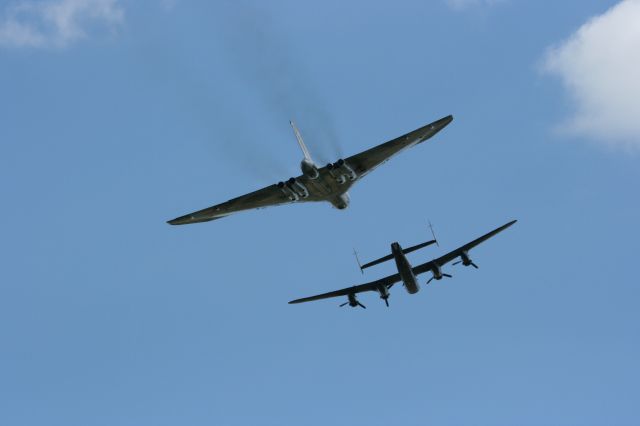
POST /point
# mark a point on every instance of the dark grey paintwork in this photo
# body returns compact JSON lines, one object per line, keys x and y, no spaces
{"x":324,"y":187}
{"x":405,"y":270}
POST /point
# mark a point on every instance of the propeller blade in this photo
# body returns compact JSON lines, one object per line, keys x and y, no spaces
{"x":474,"y":265}
{"x":386,"y":302}
{"x":430,"y":279}
{"x":455,"y":263}
{"x":345,"y":303}
{"x":447,"y":275}
{"x":361,"y":305}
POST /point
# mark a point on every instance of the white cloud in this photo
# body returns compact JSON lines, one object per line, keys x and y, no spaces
{"x":466,"y":4}
{"x":599,"y":66}
{"x":56,"y":23}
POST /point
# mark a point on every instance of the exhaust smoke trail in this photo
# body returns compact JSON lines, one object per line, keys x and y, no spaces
{"x":267,"y":62}
{"x":219,"y":121}
{"x":268,"y":66}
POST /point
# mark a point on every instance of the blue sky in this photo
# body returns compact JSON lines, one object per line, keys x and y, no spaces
{"x":117,"y":116}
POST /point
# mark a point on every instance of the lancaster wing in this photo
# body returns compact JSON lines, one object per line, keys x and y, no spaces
{"x":442,"y":260}
{"x":372,"y":286}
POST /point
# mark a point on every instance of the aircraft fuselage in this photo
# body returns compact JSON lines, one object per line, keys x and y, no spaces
{"x":404,"y":269}
{"x":329,"y":184}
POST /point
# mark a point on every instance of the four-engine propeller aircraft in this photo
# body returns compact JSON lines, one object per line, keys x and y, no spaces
{"x":329,"y":183}
{"x":406,"y":273}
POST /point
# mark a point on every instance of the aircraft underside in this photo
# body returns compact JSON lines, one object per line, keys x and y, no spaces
{"x":329,"y":183}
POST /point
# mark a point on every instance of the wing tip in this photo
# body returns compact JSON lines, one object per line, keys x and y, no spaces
{"x":506,"y":225}
{"x":446,"y":120}
{"x":439,"y":124}
{"x":182,"y":220}
{"x":189,"y":219}
{"x":305,"y":299}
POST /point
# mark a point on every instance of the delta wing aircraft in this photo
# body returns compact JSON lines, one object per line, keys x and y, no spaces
{"x":329,"y":183}
{"x":406,"y":273}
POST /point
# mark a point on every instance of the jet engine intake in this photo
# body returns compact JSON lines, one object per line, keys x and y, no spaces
{"x":298,"y":188}
{"x":335,"y":173}
{"x":286,"y":190}
{"x":341,"y":171}
{"x":346,"y":169}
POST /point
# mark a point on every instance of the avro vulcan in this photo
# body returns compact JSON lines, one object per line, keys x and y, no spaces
{"x":329,"y":183}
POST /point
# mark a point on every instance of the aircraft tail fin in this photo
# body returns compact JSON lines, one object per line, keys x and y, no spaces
{"x":433,"y":234}
{"x":303,"y":147}
{"x":390,"y":256}
{"x":355,"y":253}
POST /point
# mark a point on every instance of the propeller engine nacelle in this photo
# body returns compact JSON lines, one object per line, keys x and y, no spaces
{"x":341,"y":171}
{"x":384,"y":294}
{"x":353,"y":302}
{"x":437,"y":274}
{"x":466,"y":260}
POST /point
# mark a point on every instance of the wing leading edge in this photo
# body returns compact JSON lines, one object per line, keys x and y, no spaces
{"x":443,"y":260}
{"x":368,"y":160}
{"x":265,"y":197}
{"x":372,"y":286}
